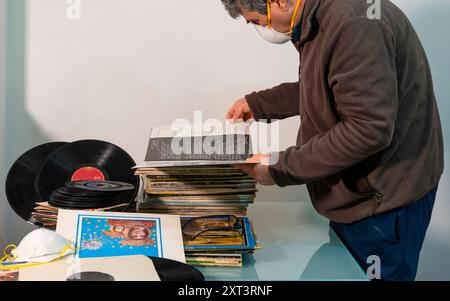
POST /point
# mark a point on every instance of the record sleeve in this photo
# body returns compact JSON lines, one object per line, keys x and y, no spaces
{"x":125,"y":268}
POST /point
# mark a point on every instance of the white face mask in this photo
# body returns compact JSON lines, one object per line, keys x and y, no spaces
{"x":41,"y":245}
{"x":272,"y":36}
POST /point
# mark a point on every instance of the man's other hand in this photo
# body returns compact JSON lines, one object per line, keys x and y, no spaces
{"x":240,"y":110}
{"x":259,"y":171}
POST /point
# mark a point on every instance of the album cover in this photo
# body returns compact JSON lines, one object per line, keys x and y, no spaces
{"x":240,"y":239}
{"x":101,"y":234}
{"x":230,"y":144}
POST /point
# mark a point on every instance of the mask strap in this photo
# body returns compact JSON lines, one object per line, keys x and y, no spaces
{"x":269,"y":15}
{"x":6,"y":254}
{"x":297,"y":8}
{"x":27,"y":265}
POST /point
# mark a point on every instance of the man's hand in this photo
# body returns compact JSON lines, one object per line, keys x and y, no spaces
{"x":240,"y":111}
{"x":258,"y":171}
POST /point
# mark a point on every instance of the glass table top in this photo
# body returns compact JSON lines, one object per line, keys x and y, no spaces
{"x":297,"y":244}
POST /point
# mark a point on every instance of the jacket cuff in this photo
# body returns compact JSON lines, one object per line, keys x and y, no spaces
{"x":279,"y":174}
{"x":252,"y":100}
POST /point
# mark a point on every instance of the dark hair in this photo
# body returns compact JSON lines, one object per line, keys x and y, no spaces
{"x":236,"y":7}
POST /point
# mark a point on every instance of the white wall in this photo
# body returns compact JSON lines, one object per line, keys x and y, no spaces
{"x":126,"y":66}
{"x":129,"y":65}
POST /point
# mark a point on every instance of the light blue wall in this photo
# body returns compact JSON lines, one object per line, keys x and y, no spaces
{"x":20,"y":131}
{"x":3,"y":205}
{"x":432,"y":22}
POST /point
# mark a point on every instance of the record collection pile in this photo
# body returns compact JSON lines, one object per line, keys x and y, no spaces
{"x":211,"y":196}
{"x":211,"y":199}
{"x":86,"y":174}
{"x":196,"y":190}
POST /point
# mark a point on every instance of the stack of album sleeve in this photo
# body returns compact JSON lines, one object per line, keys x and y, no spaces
{"x":212,"y":191}
{"x":196,"y":191}
{"x":46,"y":215}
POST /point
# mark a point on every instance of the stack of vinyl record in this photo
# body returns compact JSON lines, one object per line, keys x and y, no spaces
{"x":43,"y":179}
{"x":196,"y":190}
{"x":88,"y":194}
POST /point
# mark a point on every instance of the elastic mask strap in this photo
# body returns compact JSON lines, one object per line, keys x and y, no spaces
{"x":297,"y":8}
{"x":27,"y":265}
{"x":269,"y":15}
{"x":6,"y":254}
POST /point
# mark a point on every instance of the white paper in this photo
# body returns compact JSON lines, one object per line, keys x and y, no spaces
{"x":124,"y":268}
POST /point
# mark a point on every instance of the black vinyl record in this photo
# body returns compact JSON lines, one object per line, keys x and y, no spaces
{"x":20,"y":182}
{"x":171,"y":270}
{"x":77,"y":205}
{"x":82,"y":200}
{"x":87,"y":160}
{"x":64,"y":191}
{"x":104,"y":187}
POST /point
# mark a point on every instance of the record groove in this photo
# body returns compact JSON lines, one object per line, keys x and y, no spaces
{"x":87,"y":160}
{"x":20,"y":182}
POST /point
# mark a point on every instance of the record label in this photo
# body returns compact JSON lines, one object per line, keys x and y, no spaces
{"x":88,"y":173}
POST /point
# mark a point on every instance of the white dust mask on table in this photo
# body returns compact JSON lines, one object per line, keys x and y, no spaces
{"x":41,"y":245}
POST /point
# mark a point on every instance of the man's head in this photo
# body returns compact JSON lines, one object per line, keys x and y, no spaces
{"x":256,"y":12}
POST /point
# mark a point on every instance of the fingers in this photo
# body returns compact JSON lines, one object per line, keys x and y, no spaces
{"x":255,"y":159}
{"x":248,"y":116}
{"x":239,"y":111}
{"x":235,"y":114}
{"x":230,"y":113}
{"x":247,"y":168}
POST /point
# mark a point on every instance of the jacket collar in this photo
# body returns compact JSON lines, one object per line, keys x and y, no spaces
{"x":309,"y":13}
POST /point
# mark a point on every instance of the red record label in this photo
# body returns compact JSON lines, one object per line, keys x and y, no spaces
{"x":88,"y":174}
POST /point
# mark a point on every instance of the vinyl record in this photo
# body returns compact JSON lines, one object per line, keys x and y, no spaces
{"x":64,"y":191}
{"x":82,"y":200}
{"x":87,"y":160}
{"x":62,"y":200}
{"x":100,"y":186}
{"x":20,"y":182}
{"x":171,"y":270}
{"x":77,"y":205}
{"x":90,"y":276}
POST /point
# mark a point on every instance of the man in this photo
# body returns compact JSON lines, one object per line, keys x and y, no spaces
{"x":370,"y":145}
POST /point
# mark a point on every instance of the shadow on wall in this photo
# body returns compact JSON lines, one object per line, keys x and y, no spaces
{"x":21,"y":132}
{"x":431,"y":21}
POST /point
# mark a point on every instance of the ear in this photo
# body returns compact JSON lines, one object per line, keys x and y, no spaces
{"x":281,"y":4}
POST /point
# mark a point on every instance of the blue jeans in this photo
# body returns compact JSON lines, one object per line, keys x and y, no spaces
{"x":396,"y":237}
